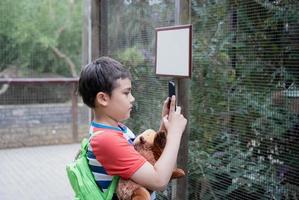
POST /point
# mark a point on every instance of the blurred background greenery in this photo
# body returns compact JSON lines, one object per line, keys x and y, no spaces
{"x":41,"y":37}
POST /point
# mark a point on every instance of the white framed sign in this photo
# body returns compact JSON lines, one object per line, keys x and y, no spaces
{"x":174,"y":51}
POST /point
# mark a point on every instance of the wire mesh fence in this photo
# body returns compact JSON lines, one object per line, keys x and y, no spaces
{"x":41,"y":111}
{"x":244,"y":126}
{"x":243,"y":91}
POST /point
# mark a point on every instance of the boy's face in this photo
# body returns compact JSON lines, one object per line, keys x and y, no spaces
{"x":121,"y":100}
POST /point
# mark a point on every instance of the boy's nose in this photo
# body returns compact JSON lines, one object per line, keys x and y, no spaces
{"x":132,"y":99}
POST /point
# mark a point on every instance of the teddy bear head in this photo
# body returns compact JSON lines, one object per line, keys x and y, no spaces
{"x":150,"y":144}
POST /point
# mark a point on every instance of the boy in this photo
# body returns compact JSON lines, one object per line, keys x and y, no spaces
{"x":105,"y":86}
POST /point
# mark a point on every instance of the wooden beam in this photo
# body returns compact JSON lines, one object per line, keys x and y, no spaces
{"x":103,"y":27}
{"x":95,"y":29}
{"x":75,"y":114}
{"x":85,"y":32}
{"x":182,"y":16}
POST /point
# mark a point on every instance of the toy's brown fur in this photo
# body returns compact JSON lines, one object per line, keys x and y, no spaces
{"x":150,"y":145}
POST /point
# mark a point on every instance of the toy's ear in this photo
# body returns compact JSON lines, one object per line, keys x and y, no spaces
{"x":147,"y":136}
{"x":141,"y":194}
{"x":177,"y":173}
{"x":141,"y":140}
{"x":159,"y":144}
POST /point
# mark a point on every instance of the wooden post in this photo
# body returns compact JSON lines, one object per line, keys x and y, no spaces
{"x":74,"y":112}
{"x":85,"y":33}
{"x":103,"y":28}
{"x":182,"y":16}
{"x":91,"y":36}
{"x":95,"y":28}
{"x":92,"y":32}
{"x":99,"y":28}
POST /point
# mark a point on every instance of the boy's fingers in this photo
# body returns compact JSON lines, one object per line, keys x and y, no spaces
{"x":178,"y":109}
{"x":165,"y":119}
{"x":166,"y":101}
{"x":172,"y":104}
{"x":165,"y":109}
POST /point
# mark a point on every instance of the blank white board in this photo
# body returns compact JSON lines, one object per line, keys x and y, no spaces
{"x":173,"y":51}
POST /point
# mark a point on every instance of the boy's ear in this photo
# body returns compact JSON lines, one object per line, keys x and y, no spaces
{"x":102,"y":98}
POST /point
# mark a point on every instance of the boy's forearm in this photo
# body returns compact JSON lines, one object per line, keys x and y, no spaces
{"x":162,"y":127}
{"x":167,"y":162}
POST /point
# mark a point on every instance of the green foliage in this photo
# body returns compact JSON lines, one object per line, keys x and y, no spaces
{"x":237,"y":148}
{"x":30,"y":30}
{"x":131,"y":58}
{"x":148,"y":103}
{"x":237,"y":133}
{"x":235,"y":170}
{"x":131,"y":41}
{"x":132,"y":23}
{"x":212,"y":76}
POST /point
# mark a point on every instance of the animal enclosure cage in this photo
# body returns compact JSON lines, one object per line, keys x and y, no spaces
{"x":243,"y":103}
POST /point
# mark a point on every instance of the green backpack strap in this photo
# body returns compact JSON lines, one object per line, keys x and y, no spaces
{"x":84,"y":146}
{"x":108,"y":194}
{"x":82,"y":179}
{"x":112,"y":187}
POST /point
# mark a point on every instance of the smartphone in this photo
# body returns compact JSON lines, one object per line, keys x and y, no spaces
{"x":171,"y":88}
{"x":171,"y":91}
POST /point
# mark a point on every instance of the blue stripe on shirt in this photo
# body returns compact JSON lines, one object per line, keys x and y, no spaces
{"x":98,"y":125}
{"x":97,"y":169}
{"x":103,"y":184}
{"x":90,"y":154}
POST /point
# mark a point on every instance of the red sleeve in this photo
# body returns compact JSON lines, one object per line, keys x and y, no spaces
{"x":117,"y":156}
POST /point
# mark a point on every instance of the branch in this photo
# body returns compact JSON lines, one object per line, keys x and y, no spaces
{"x":61,"y":55}
{"x":5,"y":86}
{"x":68,"y":61}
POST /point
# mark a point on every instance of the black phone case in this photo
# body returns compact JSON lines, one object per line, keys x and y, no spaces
{"x":171,"y":88}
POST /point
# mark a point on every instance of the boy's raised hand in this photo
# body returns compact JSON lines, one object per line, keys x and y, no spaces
{"x":174,"y":122}
{"x":165,"y":109}
{"x":165,"y":112}
{"x":157,"y":177}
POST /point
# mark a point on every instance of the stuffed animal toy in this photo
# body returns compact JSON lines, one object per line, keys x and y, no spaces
{"x":150,"y":145}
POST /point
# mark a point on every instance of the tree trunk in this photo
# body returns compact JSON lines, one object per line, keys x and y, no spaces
{"x":67,"y":60}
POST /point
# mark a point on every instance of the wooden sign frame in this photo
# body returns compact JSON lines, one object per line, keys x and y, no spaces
{"x":173,"y":52}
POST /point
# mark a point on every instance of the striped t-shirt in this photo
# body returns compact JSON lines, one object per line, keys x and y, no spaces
{"x":108,"y":142}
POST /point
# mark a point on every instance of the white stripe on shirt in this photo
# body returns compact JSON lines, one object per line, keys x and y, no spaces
{"x":94,"y":162}
{"x":102,"y":177}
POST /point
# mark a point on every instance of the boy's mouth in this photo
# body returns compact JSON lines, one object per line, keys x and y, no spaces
{"x":133,"y":107}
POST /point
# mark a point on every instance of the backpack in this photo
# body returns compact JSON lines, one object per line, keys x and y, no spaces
{"x":82,"y":180}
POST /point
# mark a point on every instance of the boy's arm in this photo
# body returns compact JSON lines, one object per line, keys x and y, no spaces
{"x":126,"y":160}
{"x":165,"y":111}
{"x":157,"y":177}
